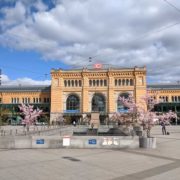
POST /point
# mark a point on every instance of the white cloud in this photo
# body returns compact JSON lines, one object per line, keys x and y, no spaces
{"x":117,"y":32}
{"x":23,"y":81}
{"x":13,"y":16}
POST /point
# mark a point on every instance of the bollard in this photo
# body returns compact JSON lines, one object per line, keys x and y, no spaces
{"x":10,"y":132}
{"x":39,"y":133}
{"x":16,"y":131}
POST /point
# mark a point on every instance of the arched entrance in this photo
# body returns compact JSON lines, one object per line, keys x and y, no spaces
{"x":73,"y":103}
{"x":98,"y":103}
{"x":120,"y":106}
{"x":72,"y":108}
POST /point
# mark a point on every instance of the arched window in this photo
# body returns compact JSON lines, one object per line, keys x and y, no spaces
{"x":120,"y":106}
{"x":72,"y":83}
{"x":94,"y":82}
{"x":115,"y":82}
{"x":98,"y":103}
{"x":127,"y":82}
{"x":123,"y":82}
{"x":90,"y":82}
{"x":73,"y":103}
{"x":105,"y":82}
{"x":65,"y":83}
{"x":131,"y":82}
{"x":178,"y":98}
{"x":175,"y":98}
{"x":97,"y":82}
{"x":166,"y":98}
{"x":69,"y":83}
{"x":80,"y":83}
{"x":101,"y":82}
{"x":76,"y":83}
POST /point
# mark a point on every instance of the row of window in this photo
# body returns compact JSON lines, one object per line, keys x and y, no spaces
{"x":175,"y":98}
{"x":27,"y":100}
{"x":72,"y":83}
{"x":163,"y":98}
{"x":124,"y":82}
{"x":166,"y":98}
{"x":97,"y":82}
{"x":98,"y":103}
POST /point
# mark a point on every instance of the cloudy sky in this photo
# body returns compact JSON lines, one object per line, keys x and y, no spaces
{"x":37,"y":35}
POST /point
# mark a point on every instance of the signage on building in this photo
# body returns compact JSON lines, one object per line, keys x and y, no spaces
{"x":66,"y":141}
{"x":110,"y":141}
{"x":123,"y":110}
{"x":97,"y":66}
{"x":92,"y":141}
{"x":71,"y":111}
{"x":40,"y":141}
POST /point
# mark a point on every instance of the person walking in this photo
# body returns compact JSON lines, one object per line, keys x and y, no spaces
{"x":74,"y":123}
{"x":163,"y":128}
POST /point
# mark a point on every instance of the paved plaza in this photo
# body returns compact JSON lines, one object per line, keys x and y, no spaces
{"x":96,"y":164}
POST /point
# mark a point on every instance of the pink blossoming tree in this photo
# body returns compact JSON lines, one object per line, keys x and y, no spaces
{"x":142,"y":112}
{"x":30,"y":114}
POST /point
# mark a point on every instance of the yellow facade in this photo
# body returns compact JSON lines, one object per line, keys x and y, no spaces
{"x":11,"y":95}
{"x":165,"y":95}
{"x":86,"y":82}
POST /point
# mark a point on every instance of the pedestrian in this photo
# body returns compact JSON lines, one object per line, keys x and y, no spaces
{"x":92,"y":125}
{"x":163,"y":125}
{"x":74,"y":123}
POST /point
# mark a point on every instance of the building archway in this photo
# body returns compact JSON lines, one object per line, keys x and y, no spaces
{"x":120,"y":106}
{"x":73,"y":103}
{"x":72,"y":112}
{"x":98,"y":103}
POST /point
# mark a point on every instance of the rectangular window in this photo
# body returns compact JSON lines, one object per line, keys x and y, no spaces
{"x":44,"y":100}
{"x":12,"y":100}
{"x":34,"y":100}
{"x":0,"y":100}
{"x":47,"y":100}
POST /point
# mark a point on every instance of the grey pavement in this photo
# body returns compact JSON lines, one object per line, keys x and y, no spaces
{"x":35,"y":130}
{"x":96,"y":164}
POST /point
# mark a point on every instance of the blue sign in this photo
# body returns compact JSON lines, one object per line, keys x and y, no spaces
{"x":71,"y":111}
{"x":40,"y":141}
{"x":92,"y":141}
{"x":123,"y":110}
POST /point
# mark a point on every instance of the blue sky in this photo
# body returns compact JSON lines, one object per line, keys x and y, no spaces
{"x":37,"y":35}
{"x":20,"y":64}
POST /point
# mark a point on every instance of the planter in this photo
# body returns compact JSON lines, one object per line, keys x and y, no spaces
{"x":147,"y":142}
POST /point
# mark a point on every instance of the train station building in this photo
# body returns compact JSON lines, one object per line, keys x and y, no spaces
{"x":76,"y":93}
